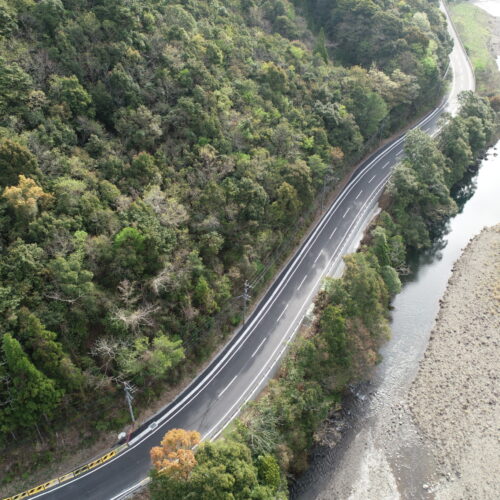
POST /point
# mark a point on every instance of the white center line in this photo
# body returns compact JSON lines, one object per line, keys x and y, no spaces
{"x":302,"y":282}
{"x":281,"y":315}
{"x":373,"y":177}
{"x":333,"y":232}
{"x":316,"y":259}
{"x":259,"y":346}
{"x":359,"y":194}
{"x":386,"y":164}
{"x":346,"y":212}
{"x":227,"y":386}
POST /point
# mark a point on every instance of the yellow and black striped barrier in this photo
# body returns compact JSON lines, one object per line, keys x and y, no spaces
{"x":70,"y":475}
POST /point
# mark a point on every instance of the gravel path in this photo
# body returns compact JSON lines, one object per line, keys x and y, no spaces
{"x":454,"y":399}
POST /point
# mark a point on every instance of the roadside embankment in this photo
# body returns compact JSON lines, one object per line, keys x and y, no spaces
{"x":479,"y":31}
{"x":454,"y":398}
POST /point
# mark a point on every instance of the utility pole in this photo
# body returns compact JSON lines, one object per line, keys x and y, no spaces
{"x":129,"y":391}
{"x":246,"y":297}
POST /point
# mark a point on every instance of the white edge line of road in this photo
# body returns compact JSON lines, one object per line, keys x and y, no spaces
{"x":132,"y":488}
{"x":327,"y":215}
{"x":296,"y":260}
{"x":335,"y":257}
{"x":286,"y":339}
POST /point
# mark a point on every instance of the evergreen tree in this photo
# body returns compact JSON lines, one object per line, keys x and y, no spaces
{"x":48,"y":354}
{"x":31,"y":395}
{"x":320,"y":47}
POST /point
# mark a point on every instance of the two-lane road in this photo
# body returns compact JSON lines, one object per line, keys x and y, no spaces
{"x":247,"y":362}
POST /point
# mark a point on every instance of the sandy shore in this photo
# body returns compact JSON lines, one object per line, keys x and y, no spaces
{"x":454,"y":399}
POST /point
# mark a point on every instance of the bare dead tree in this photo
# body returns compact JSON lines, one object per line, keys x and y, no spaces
{"x":214,"y":166}
{"x":58,"y":297}
{"x":141,"y":317}
{"x":163,"y":280}
{"x":169,"y":210}
{"x":107,"y":350}
{"x":98,"y":382}
{"x":172,"y":275}
{"x":127,"y":290}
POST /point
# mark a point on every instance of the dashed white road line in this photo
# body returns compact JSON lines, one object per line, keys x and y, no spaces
{"x":204,"y":381}
{"x":371,"y":178}
{"x":282,"y":312}
{"x":227,"y":386}
{"x":259,"y":346}
{"x":302,"y":282}
{"x":317,"y":257}
{"x":359,"y":194}
{"x":272,"y":360}
{"x":333,"y":232}
{"x":199,"y":383}
{"x":346,"y":212}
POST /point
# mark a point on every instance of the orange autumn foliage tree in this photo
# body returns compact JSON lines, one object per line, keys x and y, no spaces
{"x":175,"y":456}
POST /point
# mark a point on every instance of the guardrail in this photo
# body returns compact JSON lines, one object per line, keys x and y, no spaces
{"x":70,"y":475}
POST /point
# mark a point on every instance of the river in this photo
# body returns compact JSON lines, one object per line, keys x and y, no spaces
{"x":379,"y":455}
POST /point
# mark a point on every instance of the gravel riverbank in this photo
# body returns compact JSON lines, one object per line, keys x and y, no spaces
{"x":454,"y":398}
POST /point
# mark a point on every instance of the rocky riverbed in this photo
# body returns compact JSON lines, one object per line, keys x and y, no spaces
{"x":426,"y":430}
{"x":454,"y":400}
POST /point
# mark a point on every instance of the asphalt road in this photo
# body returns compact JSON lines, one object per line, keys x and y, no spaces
{"x":248,"y":361}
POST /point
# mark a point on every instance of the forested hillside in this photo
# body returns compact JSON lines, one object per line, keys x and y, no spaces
{"x":270,"y":442}
{"x":154,"y":153}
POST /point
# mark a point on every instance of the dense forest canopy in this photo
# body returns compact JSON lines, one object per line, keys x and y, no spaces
{"x":154,"y":152}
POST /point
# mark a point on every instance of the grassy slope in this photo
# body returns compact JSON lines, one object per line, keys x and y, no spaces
{"x":475,"y":28}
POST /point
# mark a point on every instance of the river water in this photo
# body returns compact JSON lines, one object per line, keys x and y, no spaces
{"x":380,"y":455}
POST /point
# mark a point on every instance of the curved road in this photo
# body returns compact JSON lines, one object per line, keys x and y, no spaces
{"x":247,"y":362}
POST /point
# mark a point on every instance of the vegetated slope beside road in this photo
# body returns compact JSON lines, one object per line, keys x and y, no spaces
{"x":153,"y":156}
{"x":454,"y":398}
{"x":480,"y":34}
